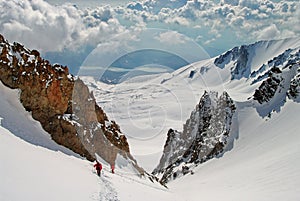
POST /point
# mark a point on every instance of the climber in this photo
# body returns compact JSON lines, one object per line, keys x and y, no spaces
{"x":98,"y":167}
{"x":112,"y":166}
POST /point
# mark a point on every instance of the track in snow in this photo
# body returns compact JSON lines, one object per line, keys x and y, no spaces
{"x":107,"y":192}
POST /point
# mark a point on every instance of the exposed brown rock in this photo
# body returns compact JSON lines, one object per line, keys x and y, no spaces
{"x":64,"y":106}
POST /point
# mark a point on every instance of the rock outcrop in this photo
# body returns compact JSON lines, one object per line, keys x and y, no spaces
{"x":278,"y":82}
{"x":294,"y":89}
{"x":277,"y":77}
{"x":62,"y":104}
{"x":268,"y":88}
{"x":240,"y":56}
{"x":204,"y":136}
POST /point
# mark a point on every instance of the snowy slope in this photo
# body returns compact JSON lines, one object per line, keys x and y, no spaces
{"x":33,"y":167}
{"x":30,"y":172}
{"x":262,"y":165}
{"x":263,"y":162}
{"x":147,"y":106}
{"x":34,"y":173}
{"x":18,"y":121}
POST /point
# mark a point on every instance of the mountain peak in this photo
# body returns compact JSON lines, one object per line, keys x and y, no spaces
{"x":245,"y":60}
{"x":204,"y":136}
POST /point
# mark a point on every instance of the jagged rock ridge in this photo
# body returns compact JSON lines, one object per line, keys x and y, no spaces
{"x":240,"y":56}
{"x":204,"y":136}
{"x":279,"y":81}
{"x":252,"y":61}
{"x":294,"y":89}
{"x":282,"y":77}
{"x":277,"y":77}
{"x":62,"y":104}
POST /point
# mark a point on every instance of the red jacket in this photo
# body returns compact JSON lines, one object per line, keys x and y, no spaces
{"x":98,"y":166}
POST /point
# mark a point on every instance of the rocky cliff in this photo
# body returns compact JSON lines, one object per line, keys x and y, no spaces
{"x":279,"y":82}
{"x":204,"y":136}
{"x":282,"y":79}
{"x":271,"y":65}
{"x":240,"y":56}
{"x":62,"y":104}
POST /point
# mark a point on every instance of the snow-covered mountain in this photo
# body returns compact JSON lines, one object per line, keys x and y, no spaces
{"x":204,"y":136}
{"x":278,"y":80}
{"x":262,"y":79}
{"x":148,"y":106}
{"x":249,"y":132}
{"x":271,"y":66}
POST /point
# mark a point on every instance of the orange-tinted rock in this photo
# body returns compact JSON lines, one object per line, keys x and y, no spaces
{"x":53,"y":97}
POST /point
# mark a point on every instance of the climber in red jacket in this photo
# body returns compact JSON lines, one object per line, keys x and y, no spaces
{"x":98,"y":167}
{"x":112,"y":166}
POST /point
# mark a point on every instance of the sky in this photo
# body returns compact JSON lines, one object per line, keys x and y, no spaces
{"x":68,"y":31}
{"x":89,"y":3}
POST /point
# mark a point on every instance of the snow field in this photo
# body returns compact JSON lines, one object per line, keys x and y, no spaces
{"x":263,"y":164}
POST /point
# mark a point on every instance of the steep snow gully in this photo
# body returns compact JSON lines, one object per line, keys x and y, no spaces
{"x":260,"y":161}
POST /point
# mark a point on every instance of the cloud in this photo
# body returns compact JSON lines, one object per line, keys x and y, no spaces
{"x":39,"y":22}
{"x":42,"y":26}
{"x":178,"y":20}
{"x":171,"y":38}
{"x":270,"y":32}
{"x":230,"y":2}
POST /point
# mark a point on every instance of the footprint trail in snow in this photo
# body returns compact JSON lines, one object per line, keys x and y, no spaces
{"x":107,"y":192}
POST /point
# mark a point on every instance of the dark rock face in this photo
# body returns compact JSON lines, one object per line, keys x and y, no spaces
{"x":172,"y":150}
{"x":268,"y":87}
{"x":204,"y":136}
{"x":294,"y":89}
{"x":63,"y":105}
{"x":192,"y":73}
{"x":215,"y":116}
{"x":278,"y":78}
{"x":281,"y":83}
{"x":240,"y":57}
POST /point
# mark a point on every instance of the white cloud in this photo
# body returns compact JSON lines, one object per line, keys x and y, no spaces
{"x":236,"y":21}
{"x":177,"y":20}
{"x":252,"y":4}
{"x":270,"y":32}
{"x":208,"y":42}
{"x":53,"y":28}
{"x":230,"y":2}
{"x":171,"y":37}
